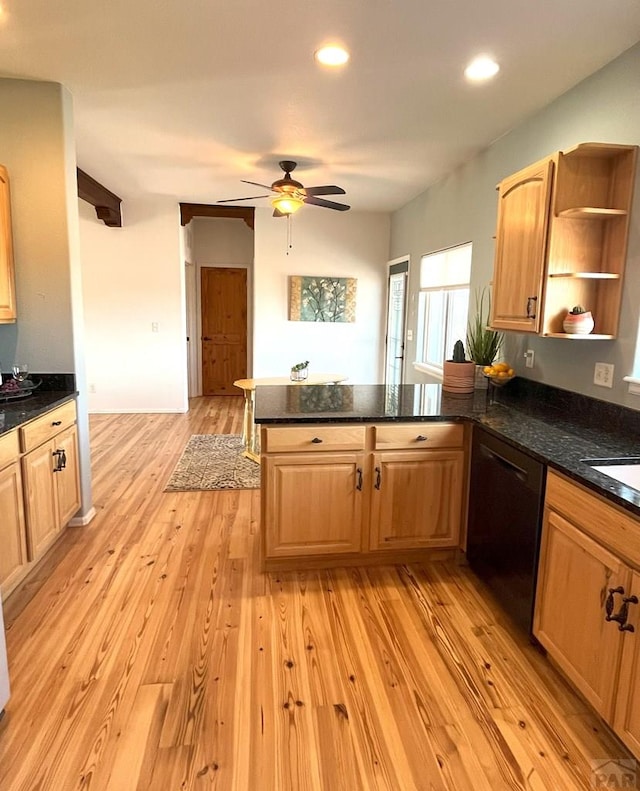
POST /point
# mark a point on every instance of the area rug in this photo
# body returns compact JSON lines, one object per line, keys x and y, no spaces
{"x":214,"y":461}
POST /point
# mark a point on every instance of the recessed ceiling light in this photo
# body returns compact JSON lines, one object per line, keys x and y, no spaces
{"x":481,"y":68}
{"x":332,"y":55}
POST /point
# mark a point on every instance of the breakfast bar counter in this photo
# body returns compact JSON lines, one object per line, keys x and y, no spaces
{"x":557,"y":427}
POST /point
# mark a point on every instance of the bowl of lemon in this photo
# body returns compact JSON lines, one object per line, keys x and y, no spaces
{"x":499,"y":373}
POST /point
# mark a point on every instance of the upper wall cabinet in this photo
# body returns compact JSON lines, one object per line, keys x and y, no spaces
{"x":7,"y":275}
{"x":561,"y":240}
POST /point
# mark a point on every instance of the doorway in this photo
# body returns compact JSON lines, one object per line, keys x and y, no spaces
{"x":396,"y":320}
{"x":224,"y":328}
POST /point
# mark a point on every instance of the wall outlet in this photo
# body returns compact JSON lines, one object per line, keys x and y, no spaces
{"x":529,"y":357}
{"x":409,"y":335}
{"x":154,"y":326}
{"x":92,"y":388}
{"x":603,"y":375}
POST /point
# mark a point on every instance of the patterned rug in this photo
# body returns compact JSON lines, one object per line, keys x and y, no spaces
{"x":214,"y":461}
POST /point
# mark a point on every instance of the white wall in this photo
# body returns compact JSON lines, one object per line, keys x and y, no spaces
{"x":132,"y":277}
{"x":353,"y":244}
{"x":462,"y":208}
{"x":37,"y":146}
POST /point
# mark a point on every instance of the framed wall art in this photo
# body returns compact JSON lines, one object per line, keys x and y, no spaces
{"x":322,"y":298}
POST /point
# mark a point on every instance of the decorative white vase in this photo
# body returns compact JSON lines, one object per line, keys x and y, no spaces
{"x":578,"y":323}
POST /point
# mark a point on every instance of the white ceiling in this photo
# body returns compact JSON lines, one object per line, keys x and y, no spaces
{"x":186,"y":98}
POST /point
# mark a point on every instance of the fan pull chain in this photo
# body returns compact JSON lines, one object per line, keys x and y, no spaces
{"x":289,"y":234}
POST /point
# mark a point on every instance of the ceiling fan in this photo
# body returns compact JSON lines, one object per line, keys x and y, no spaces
{"x":288,"y":195}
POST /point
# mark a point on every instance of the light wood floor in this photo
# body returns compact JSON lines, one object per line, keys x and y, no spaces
{"x":149,"y":652}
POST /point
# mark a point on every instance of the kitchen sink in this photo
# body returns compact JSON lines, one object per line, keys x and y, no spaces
{"x":625,"y":470}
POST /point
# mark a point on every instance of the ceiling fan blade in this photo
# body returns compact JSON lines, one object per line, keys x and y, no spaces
{"x":278,"y":213}
{"x":251,"y":197}
{"x":255,"y":184}
{"x":326,"y":190}
{"x":327,"y":204}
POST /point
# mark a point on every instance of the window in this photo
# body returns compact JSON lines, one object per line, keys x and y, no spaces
{"x":443,"y":305}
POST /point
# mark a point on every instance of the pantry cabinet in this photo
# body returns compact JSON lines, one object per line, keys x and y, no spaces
{"x":13,"y":546}
{"x":7,"y":274}
{"x":588,"y":600}
{"x":561,"y":240}
{"x":359,"y":491}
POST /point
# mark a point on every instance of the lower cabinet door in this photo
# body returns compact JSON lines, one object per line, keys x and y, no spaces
{"x":13,"y":547}
{"x":40,"y":498}
{"x":67,"y":477}
{"x":416,"y":499}
{"x":576,"y":576}
{"x":313,"y":504}
{"x":626,"y":721}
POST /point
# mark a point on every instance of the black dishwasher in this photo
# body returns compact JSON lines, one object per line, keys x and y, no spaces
{"x":506,"y":494}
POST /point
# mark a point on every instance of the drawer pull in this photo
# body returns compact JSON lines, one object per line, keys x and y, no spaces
{"x":623,"y":613}
{"x":378,"y":478}
{"x":316,"y":440}
{"x":359,"y":483}
{"x":57,"y":423}
{"x":421,"y":438}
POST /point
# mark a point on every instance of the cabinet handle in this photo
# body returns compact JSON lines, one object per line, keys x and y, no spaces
{"x":58,"y":456}
{"x":378,"y":478}
{"x":316,"y":440}
{"x":531,"y":315}
{"x":359,"y":474}
{"x":623,"y":613}
{"x":57,"y":423}
{"x":421,"y":438}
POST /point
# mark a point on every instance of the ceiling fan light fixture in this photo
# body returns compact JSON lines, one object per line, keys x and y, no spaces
{"x":287,"y":202}
{"x":481,"y":68}
{"x":332,"y":55}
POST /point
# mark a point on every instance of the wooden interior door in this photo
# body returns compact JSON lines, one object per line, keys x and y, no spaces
{"x":224,"y":329}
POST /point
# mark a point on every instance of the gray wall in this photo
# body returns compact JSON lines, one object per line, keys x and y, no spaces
{"x":462,"y":208}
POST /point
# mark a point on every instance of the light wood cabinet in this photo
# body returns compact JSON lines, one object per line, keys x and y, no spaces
{"x":13,"y":548}
{"x":416,"y":499}
{"x":7,"y":274}
{"x":521,"y":243}
{"x":314,"y":504}
{"x":588,"y":600}
{"x":561,"y":240}
{"x":360,"y":490}
{"x":51,"y":486}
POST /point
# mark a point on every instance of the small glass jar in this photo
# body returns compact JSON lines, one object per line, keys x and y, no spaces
{"x":299,"y":375}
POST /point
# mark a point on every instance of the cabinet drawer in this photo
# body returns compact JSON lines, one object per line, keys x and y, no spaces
{"x":419,"y":435}
{"x":9,"y":449}
{"x":603,"y":521}
{"x":313,"y":438}
{"x":46,"y":426}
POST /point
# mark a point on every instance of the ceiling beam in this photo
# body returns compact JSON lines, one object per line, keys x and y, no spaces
{"x":107,"y":204}
{"x":190,"y":210}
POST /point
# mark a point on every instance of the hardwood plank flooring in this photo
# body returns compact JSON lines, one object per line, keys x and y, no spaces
{"x":148,"y":651}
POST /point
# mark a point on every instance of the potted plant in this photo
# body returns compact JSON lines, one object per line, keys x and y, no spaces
{"x":578,"y":321}
{"x":458,"y":373}
{"x":300,"y":371}
{"x":483,"y":343}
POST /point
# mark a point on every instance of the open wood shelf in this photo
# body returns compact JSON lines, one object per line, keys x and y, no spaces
{"x":591,"y":213}
{"x":574,"y":336}
{"x":588,"y":275}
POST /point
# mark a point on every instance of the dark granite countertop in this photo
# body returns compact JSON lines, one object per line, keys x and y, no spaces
{"x":53,"y":390}
{"x":556,"y":427}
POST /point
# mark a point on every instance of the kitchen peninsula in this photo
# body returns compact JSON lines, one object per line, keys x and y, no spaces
{"x":367,"y":474}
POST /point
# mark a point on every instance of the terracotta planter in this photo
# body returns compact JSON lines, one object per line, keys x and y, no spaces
{"x":458,"y":377}
{"x":578,"y":323}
